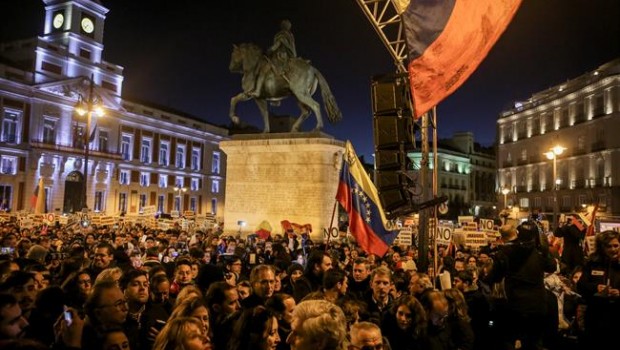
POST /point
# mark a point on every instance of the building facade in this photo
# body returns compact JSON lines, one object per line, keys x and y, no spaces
{"x":138,"y":155}
{"x":581,"y":115}
{"x":466,"y":174}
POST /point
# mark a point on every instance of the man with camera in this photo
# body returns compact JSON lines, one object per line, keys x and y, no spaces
{"x":521,"y":262}
{"x":573,"y":231}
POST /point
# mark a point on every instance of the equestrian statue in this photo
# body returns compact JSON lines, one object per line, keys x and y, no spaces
{"x":280,"y":73}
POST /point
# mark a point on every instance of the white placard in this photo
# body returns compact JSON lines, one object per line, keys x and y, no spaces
{"x":444,"y":235}
{"x":475,"y":239}
{"x":405,"y":236}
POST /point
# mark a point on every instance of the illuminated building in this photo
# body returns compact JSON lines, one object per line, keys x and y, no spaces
{"x":138,"y":153}
{"x":466,"y":174}
{"x":582,"y":116}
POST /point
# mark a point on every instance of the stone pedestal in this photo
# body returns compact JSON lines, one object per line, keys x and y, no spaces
{"x":275,"y":177}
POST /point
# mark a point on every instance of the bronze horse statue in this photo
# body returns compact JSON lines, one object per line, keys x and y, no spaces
{"x":299,"y":79}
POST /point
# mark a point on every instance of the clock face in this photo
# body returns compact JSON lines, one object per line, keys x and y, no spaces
{"x":87,"y":25}
{"x":58,"y":20}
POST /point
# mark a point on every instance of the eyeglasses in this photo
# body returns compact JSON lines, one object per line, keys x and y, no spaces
{"x":117,"y":304}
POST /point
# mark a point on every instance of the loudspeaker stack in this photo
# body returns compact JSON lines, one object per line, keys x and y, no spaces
{"x":394,"y":136}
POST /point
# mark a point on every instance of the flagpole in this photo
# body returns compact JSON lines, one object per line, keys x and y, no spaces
{"x":435,"y":192}
{"x":331,"y":224}
{"x":423,"y":214}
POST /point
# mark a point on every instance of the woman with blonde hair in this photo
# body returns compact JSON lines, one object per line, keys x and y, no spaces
{"x":186,"y":293}
{"x":183,"y":333}
{"x":195,"y":307}
{"x":110,"y":274}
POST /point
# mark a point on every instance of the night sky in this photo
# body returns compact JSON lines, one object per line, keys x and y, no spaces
{"x":176,"y":53}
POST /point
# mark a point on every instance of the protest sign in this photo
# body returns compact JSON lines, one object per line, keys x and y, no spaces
{"x":444,"y":235}
{"x":475,"y":239}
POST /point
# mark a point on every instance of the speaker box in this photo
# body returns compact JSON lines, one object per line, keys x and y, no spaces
{"x":391,"y":130}
{"x":393,"y":199}
{"x":389,"y":93}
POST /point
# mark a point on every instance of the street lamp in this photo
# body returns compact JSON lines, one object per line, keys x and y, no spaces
{"x":553,"y":154}
{"x":505,"y":192}
{"x":88,"y":106}
{"x":180,"y":191}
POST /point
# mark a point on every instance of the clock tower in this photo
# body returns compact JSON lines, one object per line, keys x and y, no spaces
{"x":73,"y":44}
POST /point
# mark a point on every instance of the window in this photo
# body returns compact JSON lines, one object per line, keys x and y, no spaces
{"x":215,"y":186}
{"x":78,"y":136}
{"x":194,"y":184}
{"x":177,"y":203}
{"x":566,"y":202}
{"x":582,"y":200}
{"x":163,"y":153}
{"x":124,"y":176}
{"x":524,"y":155}
{"x":195,"y":159}
{"x":602,"y":200}
{"x":8,"y":165}
{"x":142,"y":201}
{"x":145,"y":153}
{"x":179,"y":181}
{"x":5,"y":197}
{"x":537,"y":202}
{"x":524,"y":202}
{"x":215,"y":164}
{"x":160,"y":203}
{"x":10,"y":126}
{"x":163,"y":181}
{"x":193,"y":204}
{"x":103,"y":141}
{"x":180,"y":160}
{"x":49,"y":131}
{"x":126,"y":146}
{"x":145,"y":179}
{"x":550,"y":202}
{"x":122,"y":202}
{"x":98,"y":201}
{"x":213,"y":206}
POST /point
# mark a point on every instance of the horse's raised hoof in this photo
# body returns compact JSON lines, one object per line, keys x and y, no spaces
{"x":235,"y":119}
{"x":317,"y":129}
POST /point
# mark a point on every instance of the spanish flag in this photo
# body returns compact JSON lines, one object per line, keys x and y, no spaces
{"x":447,"y":40}
{"x":359,"y":197}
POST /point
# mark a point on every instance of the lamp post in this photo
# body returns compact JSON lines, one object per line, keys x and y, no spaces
{"x":87,"y":106}
{"x":553,"y":154}
{"x":505,"y":192}
{"x":180,"y":191}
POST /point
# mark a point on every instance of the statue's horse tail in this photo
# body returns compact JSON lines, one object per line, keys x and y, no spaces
{"x":329,"y":101}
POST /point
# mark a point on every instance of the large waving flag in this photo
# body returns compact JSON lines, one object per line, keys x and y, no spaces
{"x":359,"y":197}
{"x":447,"y":40}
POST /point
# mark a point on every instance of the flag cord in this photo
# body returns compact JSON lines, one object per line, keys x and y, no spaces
{"x":331,"y":224}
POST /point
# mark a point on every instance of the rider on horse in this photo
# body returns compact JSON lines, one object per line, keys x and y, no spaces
{"x":279,"y":53}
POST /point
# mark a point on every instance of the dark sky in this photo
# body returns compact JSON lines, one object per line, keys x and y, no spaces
{"x":176,"y":53}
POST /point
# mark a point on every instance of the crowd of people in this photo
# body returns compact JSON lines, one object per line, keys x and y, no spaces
{"x":131,"y":287}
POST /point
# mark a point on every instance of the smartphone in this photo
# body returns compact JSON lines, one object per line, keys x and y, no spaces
{"x":68,"y":316}
{"x":7,"y":251}
{"x":562,"y":218}
{"x":252,"y":259}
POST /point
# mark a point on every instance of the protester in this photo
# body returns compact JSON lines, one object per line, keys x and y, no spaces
{"x":317,"y":325}
{"x":600,"y":286}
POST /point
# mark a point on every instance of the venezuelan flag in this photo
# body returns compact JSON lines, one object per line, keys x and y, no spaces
{"x":447,"y":40}
{"x":359,"y":197}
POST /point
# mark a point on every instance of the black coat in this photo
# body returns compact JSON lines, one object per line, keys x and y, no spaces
{"x":523,"y":265}
{"x":572,"y":253}
{"x":601,"y":319}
